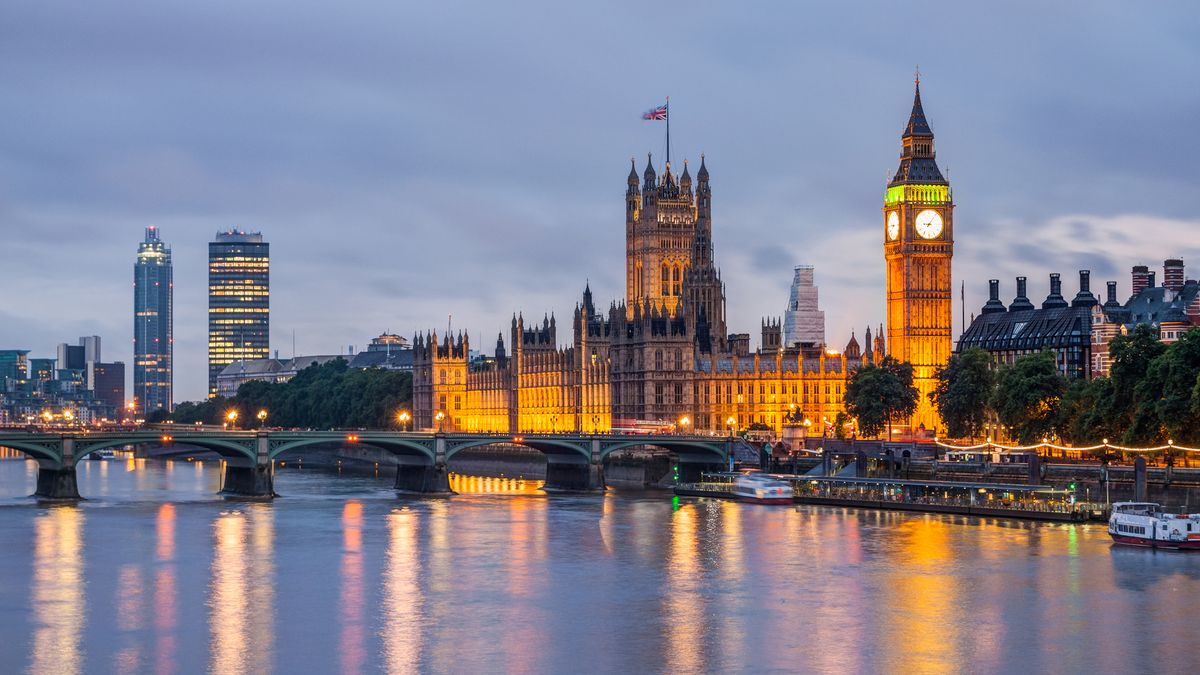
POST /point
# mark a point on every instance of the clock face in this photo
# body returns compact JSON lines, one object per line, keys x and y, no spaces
{"x":893,"y":225}
{"x":929,"y":224}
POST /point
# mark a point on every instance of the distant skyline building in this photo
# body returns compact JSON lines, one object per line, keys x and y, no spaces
{"x":803,"y":322}
{"x":106,"y":381}
{"x":239,"y":282}
{"x":153,"y":325}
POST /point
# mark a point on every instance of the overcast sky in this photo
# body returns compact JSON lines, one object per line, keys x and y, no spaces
{"x":407,"y":160}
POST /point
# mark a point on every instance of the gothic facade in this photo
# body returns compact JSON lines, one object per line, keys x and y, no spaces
{"x":662,"y":356}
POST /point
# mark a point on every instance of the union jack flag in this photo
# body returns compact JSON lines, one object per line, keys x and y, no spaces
{"x":659,"y":113}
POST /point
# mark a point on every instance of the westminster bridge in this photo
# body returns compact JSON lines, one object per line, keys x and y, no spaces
{"x":574,"y":461}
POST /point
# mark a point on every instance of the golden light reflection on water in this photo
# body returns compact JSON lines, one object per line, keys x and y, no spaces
{"x":403,"y":606}
{"x":352,"y":650}
{"x":920,"y":597}
{"x":166,"y":613}
{"x":526,"y":553}
{"x":464,"y":484}
{"x":241,"y":594}
{"x":686,"y":626}
{"x":57,"y":597}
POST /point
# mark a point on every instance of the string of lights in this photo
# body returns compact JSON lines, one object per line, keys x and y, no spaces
{"x":1053,"y":446}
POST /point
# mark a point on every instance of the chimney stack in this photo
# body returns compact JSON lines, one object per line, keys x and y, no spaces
{"x":1055,"y":299}
{"x":993,"y":304}
{"x":1021,"y":302}
{"x":1112,"y":302}
{"x":1150,"y":282}
{"x":1141,"y":278}
{"x":1085,"y":298}
{"x":1173,"y":274}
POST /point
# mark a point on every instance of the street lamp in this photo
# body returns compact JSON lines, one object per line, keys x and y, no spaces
{"x":730,"y":422}
{"x":403,"y":418}
{"x":231,"y":418}
{"x":439,"y":417}
{"x":262,"y":418}
{"x":683,"y":424}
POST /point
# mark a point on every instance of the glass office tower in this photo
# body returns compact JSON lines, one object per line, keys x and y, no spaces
{"x":153,"y":325}
{"x":239,"y":302}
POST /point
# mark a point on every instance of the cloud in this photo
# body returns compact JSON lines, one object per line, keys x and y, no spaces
{"x":467,"y":158}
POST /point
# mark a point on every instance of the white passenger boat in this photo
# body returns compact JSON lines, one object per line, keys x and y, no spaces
{"x":1146,"y":524}
{"x":761,"y":489}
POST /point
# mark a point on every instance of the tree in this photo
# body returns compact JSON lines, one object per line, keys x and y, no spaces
{"x":879,"y":394}
{"x":963,"y":392}
{"x":1165,"y":406}
{"x":1027,"y":396}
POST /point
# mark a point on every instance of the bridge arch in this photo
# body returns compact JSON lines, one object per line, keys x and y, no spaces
{"x":229,"y":449}
{"x":551,"y":447}
{"x":716,"y":449}
{"x":39,"y":452}
{"x":396,"y":446}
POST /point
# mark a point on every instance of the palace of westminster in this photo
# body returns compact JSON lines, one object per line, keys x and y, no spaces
{"x":664,"y":354}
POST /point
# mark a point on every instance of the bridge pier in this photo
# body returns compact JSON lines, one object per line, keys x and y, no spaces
{"x":252,"y":478}
{"x":583,"y":476}
{"x":57,"y":483}
{"x":424,"y":479}
{"x":417,"y":477}
{"x":249,"y":481}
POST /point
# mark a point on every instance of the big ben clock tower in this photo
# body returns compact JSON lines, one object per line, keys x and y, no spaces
{"x":918,"y":236}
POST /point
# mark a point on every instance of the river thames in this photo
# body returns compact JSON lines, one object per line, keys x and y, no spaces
{"x":155,"y":573}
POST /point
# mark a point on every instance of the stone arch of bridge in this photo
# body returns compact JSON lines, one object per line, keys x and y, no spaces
{"x":396,"y":446}
{"x":229,"y":449}
{"x":561,"y":449}
{"x":42,"y":453}
{"x":716,"y":450}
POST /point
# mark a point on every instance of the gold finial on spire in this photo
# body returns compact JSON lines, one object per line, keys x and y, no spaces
{"x":917,"y":76}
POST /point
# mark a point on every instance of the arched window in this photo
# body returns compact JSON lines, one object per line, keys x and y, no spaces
{"x":666,"y":279}
{"x":658,"y":362}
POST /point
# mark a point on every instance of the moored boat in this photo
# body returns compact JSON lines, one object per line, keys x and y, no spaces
{"x":1146,"y":524}
{"x":760,"y":488}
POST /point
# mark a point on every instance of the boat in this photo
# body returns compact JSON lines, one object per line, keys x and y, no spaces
{"x":1146,"y":524}
{"x":107,"y":453}
{"x":759,"y":488}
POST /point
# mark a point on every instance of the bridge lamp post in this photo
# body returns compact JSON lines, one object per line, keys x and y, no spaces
{"x":439,"y":417}
{"x":683,"y":424}
{"x":262,"y":418}
{"x":731,"y":423}
{"x":595,"y":423}
{"x":231,"y":419}
{"x":403,"y":419}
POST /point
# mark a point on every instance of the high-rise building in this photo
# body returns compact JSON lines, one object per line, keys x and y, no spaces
{"x":239,"y":282}
{"x":106,"y":381}
{"x":918,"y":243}
{"x":71,"y":357}
{"x":153,"y":325}
{"x":803,"y":322}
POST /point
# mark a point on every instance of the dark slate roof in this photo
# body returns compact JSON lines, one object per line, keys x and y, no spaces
{"x":1029,"y":329}
{"x":396,"y":359}
{"x":917,"y":124}
{"x":1156,"y":305}
{"x":918,"y":170}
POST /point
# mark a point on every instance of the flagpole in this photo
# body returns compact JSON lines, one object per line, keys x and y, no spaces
{"x":668,"y":130}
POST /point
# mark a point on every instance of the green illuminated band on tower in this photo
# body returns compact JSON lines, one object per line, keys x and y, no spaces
{"x":928,"y":194}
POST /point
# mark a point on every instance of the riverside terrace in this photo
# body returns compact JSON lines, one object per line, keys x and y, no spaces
{"x":574,"y":461}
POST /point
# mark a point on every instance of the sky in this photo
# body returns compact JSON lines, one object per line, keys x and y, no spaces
{"x":409,"y":162}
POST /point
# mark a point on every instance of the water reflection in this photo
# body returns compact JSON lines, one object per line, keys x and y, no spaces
{"x":165,"y":609}
{"x":464,"y":484}
{"x":241,"y":620}
{"x":684,"y":611}
{"x":57,"y":597}
{"x":352,"y":651}
{"x":403,"y":604}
